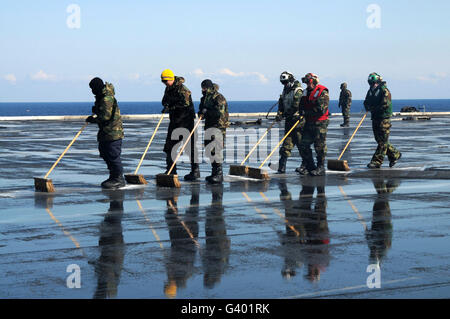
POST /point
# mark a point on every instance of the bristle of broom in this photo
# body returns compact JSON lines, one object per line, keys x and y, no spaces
{"x":135,"y":179}
{"x":164,"y":180}
{"x":43,"y":185}
{"x":337,"y":165}
{"x":258,"y":173}
{"x":238,"y":170}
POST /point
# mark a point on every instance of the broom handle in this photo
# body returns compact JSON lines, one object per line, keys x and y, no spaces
{"x":67,"y":148}
{"x":184,"y":145}
{"x":256,"y":145}
{"x":279,"y":143}
{"x":348,"y":143}
{"x":148,"y":145}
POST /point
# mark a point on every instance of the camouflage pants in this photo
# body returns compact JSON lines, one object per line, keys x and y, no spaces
{"x":346,"y":113}
{"x":294,"y":139}
{"x":314,"y":133}
{"x":214,"y":147}
{"x":381,"y":130}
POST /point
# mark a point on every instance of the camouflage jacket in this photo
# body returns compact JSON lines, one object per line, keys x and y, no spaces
{"x":289,"y":101}
{"x":379,"y":102}
{"x":177,"y":98}
{"x":216,"y":107}
{"x":345,"y":98}
{"x":108,"y":115}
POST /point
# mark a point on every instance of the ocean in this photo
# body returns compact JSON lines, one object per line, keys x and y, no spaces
{"x":84,"y":108}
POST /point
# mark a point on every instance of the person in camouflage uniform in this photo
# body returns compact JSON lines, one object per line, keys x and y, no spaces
{"x":288,"y":107}
{"x":177,"y":101}
{"x":214,"y":108}
{"x":345,"y":102}
{"x":379,"y":102}
{"x":315,"y":107}
{"x":110,"y":133}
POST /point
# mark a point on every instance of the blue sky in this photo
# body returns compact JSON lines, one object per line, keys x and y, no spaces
{"x":241,"y":45}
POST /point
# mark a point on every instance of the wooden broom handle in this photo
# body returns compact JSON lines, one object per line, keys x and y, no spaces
{"x":67,"y":148}
{"x":257,"y":143}
{"x":348,"y":143}
{"x":184,"y":145}
{"x":279,"y":143}
{"x":148,"y":145}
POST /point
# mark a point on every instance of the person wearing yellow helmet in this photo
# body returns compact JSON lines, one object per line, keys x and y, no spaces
{"x":177,"y":101}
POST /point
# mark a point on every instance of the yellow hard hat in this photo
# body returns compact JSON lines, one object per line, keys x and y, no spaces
{"x":167,"y":75}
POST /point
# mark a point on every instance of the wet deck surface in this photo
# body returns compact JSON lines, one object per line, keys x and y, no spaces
{"x":290,"y":237}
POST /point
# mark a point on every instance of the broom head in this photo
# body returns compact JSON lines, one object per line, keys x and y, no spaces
{"x":258,"y":173}
{"x":164,"y":180}
{"x":238,"y":170}
{"x":337,"y":165}
{"x":43,"y":185}
{"x":135,"y":179}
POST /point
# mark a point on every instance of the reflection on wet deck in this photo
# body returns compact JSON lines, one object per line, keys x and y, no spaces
{"x":289,"y":237}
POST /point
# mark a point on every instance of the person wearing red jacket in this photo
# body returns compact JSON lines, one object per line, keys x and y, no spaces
{"x":314,"y":106}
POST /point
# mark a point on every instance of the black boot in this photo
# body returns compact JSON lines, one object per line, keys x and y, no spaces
{"x":217,"y":174}
{"x":319,"y":171}
{"x":282,"y":165}
{"x":194,"y":174}
{"x":106,"y":181}
{"x":302,"y":170}
{"x":115,"y":182}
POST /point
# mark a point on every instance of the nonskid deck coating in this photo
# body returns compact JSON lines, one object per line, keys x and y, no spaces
{"x":245,"y":239}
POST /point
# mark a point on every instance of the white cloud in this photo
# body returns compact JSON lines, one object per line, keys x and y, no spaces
{"x":199,"y":72}
{"x":134,"y":76}
{"x":10,"y":78}
{"x":261,"y":77}
{"x":42,"y":76}
{"x":433,"y":78}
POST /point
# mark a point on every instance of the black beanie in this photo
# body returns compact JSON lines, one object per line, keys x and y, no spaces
{"x":96,"y":84}
{"x":207,"y":84}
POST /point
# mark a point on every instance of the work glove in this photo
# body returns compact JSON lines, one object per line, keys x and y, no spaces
{"x":296,"y":116}
{"x":201,"y":112}
{"x":165,"y":109}
{"x":91,"y":119}
{"x":278,"y":118}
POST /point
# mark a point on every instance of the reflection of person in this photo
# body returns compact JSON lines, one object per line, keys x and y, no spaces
{"x":112,"y":248}
{"x":379,"y":236}
{"x":217,"y":248}
{"x":183,"y":235}
{"x":316,"y":228}
{"x":306,"y":240}
{"x":291,"y":241}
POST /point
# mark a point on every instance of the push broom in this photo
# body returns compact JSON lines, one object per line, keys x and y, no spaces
{"x":260,"y":173}
{"x":338,"y":165}
{"x":139,"y":178}
{"x":241,"y":170}
{"x":167,"y":180}
{"x":46,"y":185}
